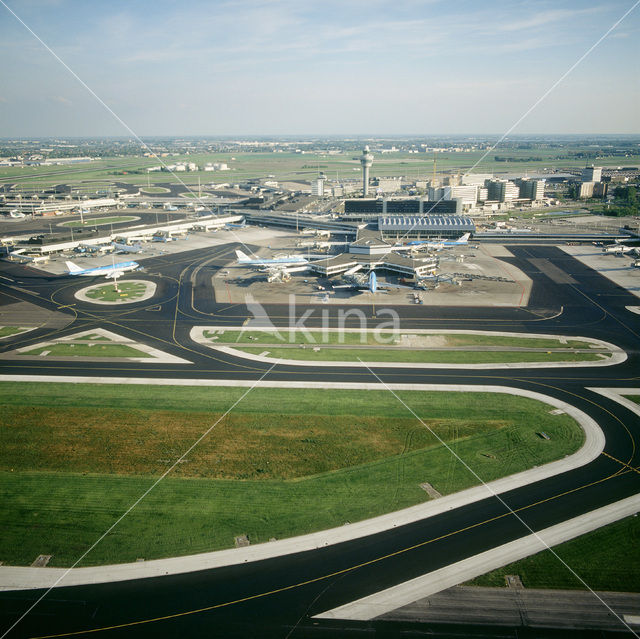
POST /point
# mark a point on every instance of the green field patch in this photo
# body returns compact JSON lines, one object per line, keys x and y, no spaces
{"x":607,"y":559}
{"x":190,"y":194}
{"x":8,"y":331}
{"x":154,"y":189}
{"x":127,"y":291}
{"x":100,"y":221}
{"x":73,"y":457}
{"x":633,"y":398}
{"x":419,"y":356}
{"x":61,"y":349}
{"x":372,"y":338}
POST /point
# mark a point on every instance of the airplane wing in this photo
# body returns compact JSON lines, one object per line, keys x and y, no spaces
{"x":394,"y":286}
{"x":113,"y":274}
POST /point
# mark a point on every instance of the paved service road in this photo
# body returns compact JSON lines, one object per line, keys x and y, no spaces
{"x":279,"y":597}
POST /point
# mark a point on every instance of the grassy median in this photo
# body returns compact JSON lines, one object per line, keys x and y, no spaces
{"x":606,"y":559}
{"x":73,"y":457}
{"x":419,"y":356}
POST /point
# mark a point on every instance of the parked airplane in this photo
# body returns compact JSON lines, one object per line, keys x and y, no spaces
{"x":369,"y":284}
{"x":245,"y":260}
{"x":283,"y":273}
{"x":436,"y":246}
{"x":112,"y":271}
{"x":127,"y":248}
{"x":242,"y":225}
{"x":617,"y":248}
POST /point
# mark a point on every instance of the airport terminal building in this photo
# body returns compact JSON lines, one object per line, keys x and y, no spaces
{"x":413,"y":227}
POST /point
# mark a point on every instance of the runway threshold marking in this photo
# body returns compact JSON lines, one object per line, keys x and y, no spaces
{"x":327,"y":576}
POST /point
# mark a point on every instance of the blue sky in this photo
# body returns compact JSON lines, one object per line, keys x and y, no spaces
{"x":269,"y":67}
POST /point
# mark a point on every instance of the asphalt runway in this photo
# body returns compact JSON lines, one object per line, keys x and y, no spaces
{"x":278,"y":597}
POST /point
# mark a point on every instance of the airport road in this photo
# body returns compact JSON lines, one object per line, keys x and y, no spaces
{"x":278,"y":597}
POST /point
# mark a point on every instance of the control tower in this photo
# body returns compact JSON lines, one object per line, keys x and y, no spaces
{"x":366,"y":160}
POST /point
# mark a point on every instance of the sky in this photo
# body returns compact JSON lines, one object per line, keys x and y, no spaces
{"x":300,"y":67}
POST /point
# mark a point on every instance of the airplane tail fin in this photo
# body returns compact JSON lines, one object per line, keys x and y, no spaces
{"x":464,"y":238}
{"x":373,"y":282}
{"x":242,"y":257}
{"x":73,"y":268}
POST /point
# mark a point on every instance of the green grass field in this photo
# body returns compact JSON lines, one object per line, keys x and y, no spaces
{"x":607,"y":559}
{"x":127,"y":291}
{"x":8,"y":331}
{"x":93,"y":337}
{"x":73,"y":457}
{"x":370,"y":338}
{"x":154,"y":189}
{"x":633,"y":398}
{"x":419,"y":356}
{"x":87,"y":350}
{"x":100,"y":221}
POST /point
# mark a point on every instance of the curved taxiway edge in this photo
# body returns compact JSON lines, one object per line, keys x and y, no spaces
{"x":618,"y":395}
{"x":24,"y":578}
{"x":392,"y":598}
{"x":617,"y":355}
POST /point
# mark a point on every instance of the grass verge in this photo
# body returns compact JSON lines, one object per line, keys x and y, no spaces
{"x":371,"y":338}
{"x":86,"y":350}
{"x":421,"y":356}
{"x":126,"y":290}
{"x":320,"y":459}
{"x":8,"y":331}
{"x":606,"y":559}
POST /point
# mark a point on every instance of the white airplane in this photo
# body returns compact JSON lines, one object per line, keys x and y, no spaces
{"x":283,"y":273}
{"x":617,"y":248}
{"x":127,"y":248}
{"x":285,"y":260}
{"x":436,"y":246}
{"x":113,"y":271}
{"x":369,"y":284}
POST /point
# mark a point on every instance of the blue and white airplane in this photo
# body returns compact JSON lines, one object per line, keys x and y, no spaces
{"x":120,"y":247}
{"x":285,"y":260}
{"x":230,"y":225}
{"x":371,"y":285}
{"x":113,"y":271}
{"x":440,"y":244}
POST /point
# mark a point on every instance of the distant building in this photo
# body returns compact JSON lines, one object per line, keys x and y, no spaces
{"x":532,"y":189}
{"x":592,"y":174}
{"x":317,"y":186}
{"x":503,"y":190}
{"x":216,"y":166}
{"x":387,"y":185}
{"x":468,"y":195}
{"x":363,"y":209}
{"x":586,"y":190}
{"x":477,"y":179}
{"x":600,"y":189}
